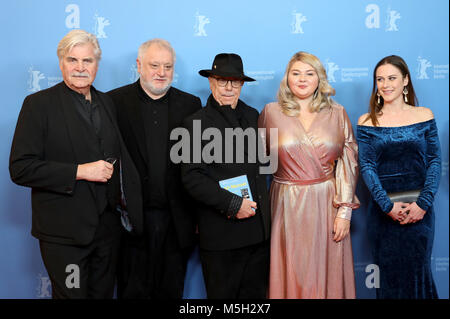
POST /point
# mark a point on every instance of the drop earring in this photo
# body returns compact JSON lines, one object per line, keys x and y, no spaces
{"x":405,"y":94}
{"x":378,"y":100}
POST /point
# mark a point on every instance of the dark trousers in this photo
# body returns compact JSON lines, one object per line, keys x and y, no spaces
{"x":237,"y":274}
{"x":85,"y":271}
{"x":152,"y":266}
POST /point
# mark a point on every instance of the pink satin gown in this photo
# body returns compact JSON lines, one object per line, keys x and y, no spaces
{"x":315,"y":182}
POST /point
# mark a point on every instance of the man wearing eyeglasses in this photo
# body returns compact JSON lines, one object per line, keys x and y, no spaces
{"x":233,"y":230}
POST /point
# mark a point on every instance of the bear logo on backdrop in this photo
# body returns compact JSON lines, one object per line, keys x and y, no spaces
{"x":373,"y":19}
{"x":33,"y":80}
{"x":439,"y":71}
{"x":199,"y":27}
{"x":73,"y":21}
{"x":99,"y":28}
{"x":44,"y":287}
{"x":298,"y":19}
{"x":346,"y":74}
{"x":35,"y":77}
{"x":393,"y":16}
{"x":422,"y":67}
{"x":331,"y":69}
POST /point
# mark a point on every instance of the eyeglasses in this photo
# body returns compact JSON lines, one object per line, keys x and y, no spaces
{"x":234,"y":83}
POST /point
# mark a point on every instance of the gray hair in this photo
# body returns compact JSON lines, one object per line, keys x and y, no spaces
{"x":78,"y":37}
{"x":160,"y":42}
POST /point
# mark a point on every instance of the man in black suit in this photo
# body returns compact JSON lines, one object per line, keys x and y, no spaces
{"x":67,"y":147}
{"x":154,"y":265}
{"x":233,"y":231}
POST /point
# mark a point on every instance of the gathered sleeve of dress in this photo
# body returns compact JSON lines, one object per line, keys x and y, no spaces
{"x":433,"y":158}
{"x":347,"y":173}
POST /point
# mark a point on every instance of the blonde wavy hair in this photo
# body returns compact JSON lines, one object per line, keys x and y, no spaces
{"x":322,"y":99}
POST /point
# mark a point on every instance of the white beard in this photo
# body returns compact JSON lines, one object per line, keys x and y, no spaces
{"x":154,"y":90}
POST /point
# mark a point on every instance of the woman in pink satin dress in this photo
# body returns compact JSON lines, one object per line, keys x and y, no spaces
{"x":313,"y":190}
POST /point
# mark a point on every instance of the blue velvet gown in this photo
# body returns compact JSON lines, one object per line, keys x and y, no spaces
{"x":394,"y":159}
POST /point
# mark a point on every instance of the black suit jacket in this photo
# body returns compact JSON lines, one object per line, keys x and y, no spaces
{"x":49,"y":142}
{"x":131,"y":124}
{"x":216,"y":230}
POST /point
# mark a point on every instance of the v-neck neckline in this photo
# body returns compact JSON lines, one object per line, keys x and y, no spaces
{"x":306,"y":130}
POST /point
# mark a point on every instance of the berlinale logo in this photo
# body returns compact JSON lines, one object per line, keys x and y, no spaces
{"x":393,"y":16}
{"x":33,"y":80}
{"x":373,"y":19}
{"x":298,"y":19}
{"x":43,"y":289}
{"x":423,"y":65}
{"x":99,"y":28}
{"x":331,"y":69}
{"x":199,"y":27}
{"x":73,"y":21}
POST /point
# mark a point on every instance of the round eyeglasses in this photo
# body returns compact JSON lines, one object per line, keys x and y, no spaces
{"x":234,"y":83}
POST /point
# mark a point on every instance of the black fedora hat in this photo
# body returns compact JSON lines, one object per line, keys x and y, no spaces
{"x":227,"y":65}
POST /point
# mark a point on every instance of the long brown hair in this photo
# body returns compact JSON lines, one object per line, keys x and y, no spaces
{"x":375,"y":107}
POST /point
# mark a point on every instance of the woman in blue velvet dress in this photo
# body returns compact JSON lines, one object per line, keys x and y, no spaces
{"x":399,"y":150}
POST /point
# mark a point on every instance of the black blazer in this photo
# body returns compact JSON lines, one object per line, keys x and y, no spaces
{"x":49,"y":142}
{"x":131,"y":124}
{"x":216,"y":230}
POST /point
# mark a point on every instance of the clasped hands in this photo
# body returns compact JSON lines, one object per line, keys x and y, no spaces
{"x":406,"y":213}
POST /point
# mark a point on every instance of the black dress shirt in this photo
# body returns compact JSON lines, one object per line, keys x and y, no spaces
{"x":104,"y":143}
{"x":89,"y":110}
{"x":156,"y":118}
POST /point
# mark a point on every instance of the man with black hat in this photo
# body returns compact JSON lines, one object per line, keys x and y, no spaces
{"x":233,"y":231}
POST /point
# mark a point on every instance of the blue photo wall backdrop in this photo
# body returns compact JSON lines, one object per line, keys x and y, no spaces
{"x":349,"y":37}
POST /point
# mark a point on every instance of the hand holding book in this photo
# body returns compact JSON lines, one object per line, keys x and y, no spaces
{"x":239,"y":186}
{"x":248,"y":209}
